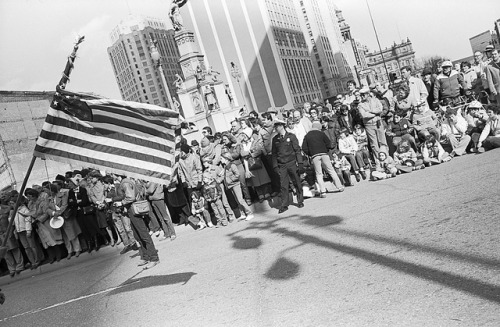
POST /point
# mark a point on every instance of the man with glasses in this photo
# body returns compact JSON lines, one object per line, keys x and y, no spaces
{"x":370,"y":110}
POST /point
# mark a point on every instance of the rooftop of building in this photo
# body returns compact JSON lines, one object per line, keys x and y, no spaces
{"x":19,"y":96}
{"x":137,"y":23}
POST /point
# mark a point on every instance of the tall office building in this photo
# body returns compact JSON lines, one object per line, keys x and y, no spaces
{"x":136,"y":74}
{"x":329,"y":55}
{"x":263,"y":38}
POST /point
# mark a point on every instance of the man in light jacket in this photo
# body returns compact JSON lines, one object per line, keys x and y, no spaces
{"x":370,"y":110}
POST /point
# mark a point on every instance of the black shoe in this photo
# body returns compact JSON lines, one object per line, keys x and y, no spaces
{"x":363,"y":174}
{"x":358,"y":177}
{"x":300,"y":205}
{"x":126,"y":249}
{"x":283,"y":209}
{"x":135,"y":247}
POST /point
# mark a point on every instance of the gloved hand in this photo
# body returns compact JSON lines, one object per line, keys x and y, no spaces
{"x":185,"y":185}
{"x":198,"y":187}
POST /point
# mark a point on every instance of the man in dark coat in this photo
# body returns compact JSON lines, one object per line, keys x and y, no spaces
{"x":287,"y":161}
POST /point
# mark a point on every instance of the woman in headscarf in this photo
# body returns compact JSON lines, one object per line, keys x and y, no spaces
{"x":40,"y":204}
{"x":256,"y":173}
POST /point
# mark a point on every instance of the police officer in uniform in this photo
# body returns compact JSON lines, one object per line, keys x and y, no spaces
{"x":287,"y":161}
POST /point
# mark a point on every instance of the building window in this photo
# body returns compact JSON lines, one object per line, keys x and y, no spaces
{"x":148,"y":76}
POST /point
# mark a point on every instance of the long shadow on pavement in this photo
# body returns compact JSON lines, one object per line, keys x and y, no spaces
{"x":132,"y":284}
{"x":481,"y":289}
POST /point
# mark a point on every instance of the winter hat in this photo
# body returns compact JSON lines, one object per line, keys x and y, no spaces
{"x":185,"y":148}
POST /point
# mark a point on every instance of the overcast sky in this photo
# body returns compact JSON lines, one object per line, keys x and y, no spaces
{"x":38,"y":35}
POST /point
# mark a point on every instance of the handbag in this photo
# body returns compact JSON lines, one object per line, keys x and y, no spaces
{"x":254,"y":163}
{"x":88,"y":210}
{"x":140,"y":208}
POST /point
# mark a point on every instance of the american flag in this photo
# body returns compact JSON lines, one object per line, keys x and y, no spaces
{"x":121,"y":137}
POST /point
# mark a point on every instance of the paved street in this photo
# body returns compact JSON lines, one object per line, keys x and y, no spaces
{"x":418,"y":250}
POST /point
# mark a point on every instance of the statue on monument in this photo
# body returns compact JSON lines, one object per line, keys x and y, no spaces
{"x":212,"y":73}
{"x":210,"y":97}
{"x":175,"y":14}
{"x":176,"y":103}
{"x":229,"y":94}
{"x":179,"y":82}
{"x":199,"y":74}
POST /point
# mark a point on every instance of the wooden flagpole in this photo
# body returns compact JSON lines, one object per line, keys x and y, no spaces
{"x":62,"y":85}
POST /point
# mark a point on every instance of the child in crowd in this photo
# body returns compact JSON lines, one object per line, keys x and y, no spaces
{"x":349,"y":148}
{"x":433,"y":153}
{"x":401,"y":129}
{"x":406,"y":158}
{"x":362,"y":140}
{"x":213,"y":194}
{"x":217,"y":173}
{"x":385,"y":167}
{"x":199,"y":211}
{"x":342,"y":168}
{"x":232,"y":183}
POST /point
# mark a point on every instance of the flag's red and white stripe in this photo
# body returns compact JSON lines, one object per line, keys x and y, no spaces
{"x":126,"y":138}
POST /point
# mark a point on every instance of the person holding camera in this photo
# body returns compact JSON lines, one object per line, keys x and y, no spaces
{"x":120,"y":218}
{"x":128,"y":193}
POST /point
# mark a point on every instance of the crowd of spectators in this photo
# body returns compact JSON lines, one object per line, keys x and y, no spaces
{"x":372,"y":132}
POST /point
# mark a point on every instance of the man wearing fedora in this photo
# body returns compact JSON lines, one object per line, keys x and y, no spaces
{"x":287,"y":161}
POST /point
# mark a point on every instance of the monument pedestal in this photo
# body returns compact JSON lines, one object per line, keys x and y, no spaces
{"x":197,"y":107}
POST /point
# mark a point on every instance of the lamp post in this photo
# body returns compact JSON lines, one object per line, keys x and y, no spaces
{"x":235,"y":72}
{"x":155,"y":55}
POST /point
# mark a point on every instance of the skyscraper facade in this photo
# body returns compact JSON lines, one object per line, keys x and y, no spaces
{"x":328,"y":52}
{"x":138,"y":77}
{"x":264,"y":40}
